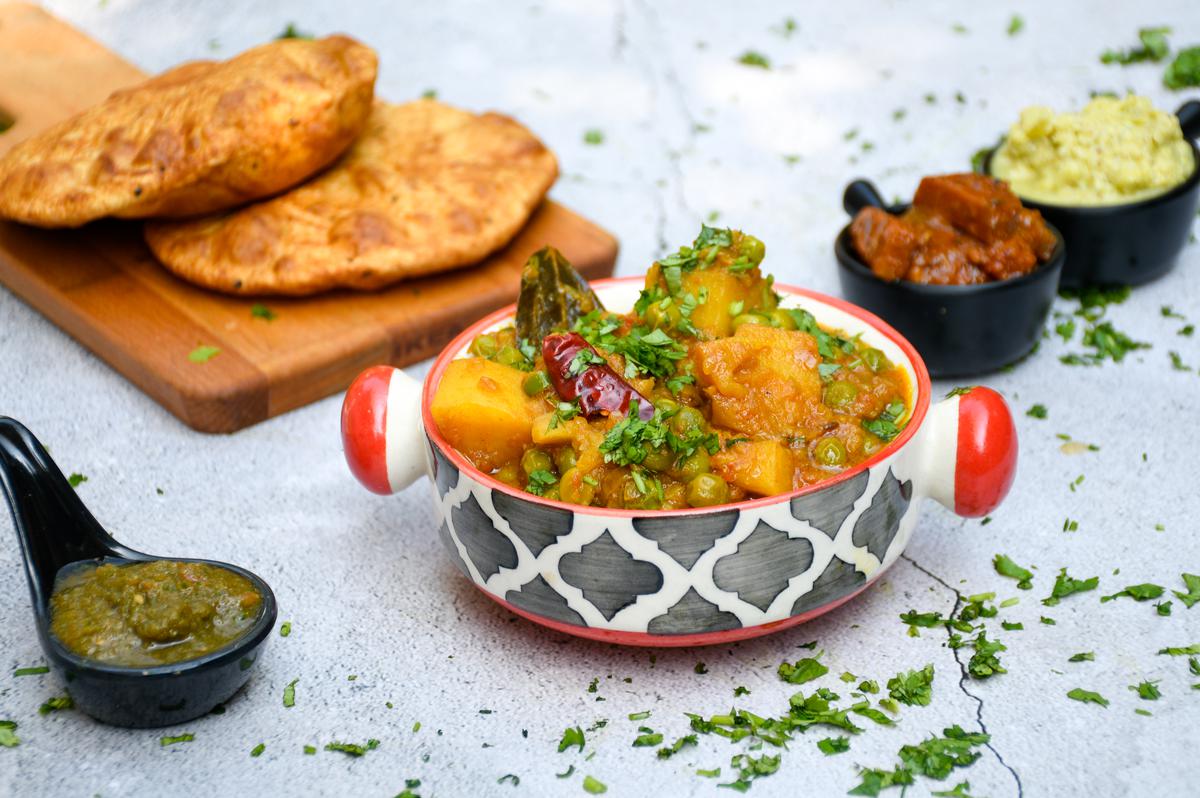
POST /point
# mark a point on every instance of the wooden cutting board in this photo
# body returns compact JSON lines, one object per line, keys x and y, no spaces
{"x":101,"y":284}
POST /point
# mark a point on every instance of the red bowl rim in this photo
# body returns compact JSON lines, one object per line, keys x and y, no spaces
{"x":924,"y":387}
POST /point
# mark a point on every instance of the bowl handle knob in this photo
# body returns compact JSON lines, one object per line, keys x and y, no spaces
{"x":977,"y":429}
{"x":381,"y":429}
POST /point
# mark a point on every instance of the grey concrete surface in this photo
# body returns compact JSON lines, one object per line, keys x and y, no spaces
{"x":687,"y":132}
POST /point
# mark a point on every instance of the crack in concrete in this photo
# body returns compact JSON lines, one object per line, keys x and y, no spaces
{"x":964,"y":675}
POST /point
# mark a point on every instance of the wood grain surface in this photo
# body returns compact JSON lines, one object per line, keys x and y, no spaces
{"x":102,"y":286}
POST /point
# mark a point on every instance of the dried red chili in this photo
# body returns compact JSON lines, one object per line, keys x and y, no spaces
{"x":575,"y":373}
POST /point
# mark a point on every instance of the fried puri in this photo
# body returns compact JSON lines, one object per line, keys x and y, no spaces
{"x":426,"y":188}
{"x":202,"y":137}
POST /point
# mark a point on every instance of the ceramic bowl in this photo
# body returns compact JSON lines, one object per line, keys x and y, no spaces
{"x":1132,"y":243}
{"x":960,"y":330}
{"x":696,"y":576}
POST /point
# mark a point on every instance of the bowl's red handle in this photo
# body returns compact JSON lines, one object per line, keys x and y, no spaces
{"x":381,"y":429}
{"x":977,"y":428}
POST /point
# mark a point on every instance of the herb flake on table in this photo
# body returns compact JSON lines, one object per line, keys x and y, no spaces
{"x":1006,"y":567}
{"x":289,"y":693}
{"x":752,"y":58}
{"x":1083,"y":656}
{"x":572,"y":736}
{"x":1184,"y":71}
{"x":292,"y":32}
{"x":203,"y":353}
{"x":750,"y":768}
{"x":1142,"y":592}
{"x":56,"y":704}
{"x":1180,"y":651}
{"x":647,"y":738}
{"x":639,"y":715}
{"x":35,"y":670}
{"x":674,"y":748}
{"x":921,"y":620}
{"x":1065,"y":585}
{"x":261,"y":311}
{"x":353,"y":749}
{"x":8,"y":734}
{"x":1153,"y":46}
{"x":594,"y":137}
{"x":257,"y":750}
{"x":186,"y":737}
{"x":1037,"y":411}
{"x":834,"y":745}
{"x":285,"y":629}
{"x":1147,"y":690}
{"x":1192,"y":582}
{"x":1087,"y":696}
{"x":511,"y":778}
{"x":912,"y":688}
{"x":1015,"y":25}
{"x":594,"y":787}
{"x":802,"y":670}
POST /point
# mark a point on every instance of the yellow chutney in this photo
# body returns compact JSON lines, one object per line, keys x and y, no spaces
{"x":1112,"y":152}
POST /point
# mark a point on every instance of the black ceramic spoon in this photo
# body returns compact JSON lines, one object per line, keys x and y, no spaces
{"x":862,"y":194}
{"x":56,"y":532}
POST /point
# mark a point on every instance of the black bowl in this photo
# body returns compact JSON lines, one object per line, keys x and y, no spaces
{"x":1132,"y":243}
{"x":959,"y":330}
{"x":58,"y":534}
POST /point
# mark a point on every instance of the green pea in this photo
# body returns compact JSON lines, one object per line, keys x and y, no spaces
{"x":535,"y":383}
{"x":666,"y":406}
{"x":705,"y":490}
{"x":753,"y":249}
{"x":781,"y":318}
{"x":658,"y":317}
{"x":692,"y":466}
{"x":536,"y":460}
{"x":575,"y":490}
{"x":565,"y":458}
{"x":830,"y":452}
{"x":686,"y":420}
{"x":552,"y":492}
{"x":840,"y":393}
{"x":749,"y":318}
{"x":509,"y":356}
{"x":876,"y":361}
{"x":484,"y":345}
{"x":658,"y":459}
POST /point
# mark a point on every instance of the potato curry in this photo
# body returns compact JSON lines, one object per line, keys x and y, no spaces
{"x":708,"y":392}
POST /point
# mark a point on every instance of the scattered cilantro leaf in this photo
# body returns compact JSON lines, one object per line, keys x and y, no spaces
{"x":353,"y":749}
{"x":1184,"y":71}
{"x":257,"y":750}
{"x":677,"y":746}
{"x":913,"y":688}
{"x":834,"y":745}
{"x":754,"y":59}
{"x":1083,"y":656}
{"x":1192,"y":582}
{"x":289,"y":694}
{"x":1037,"y":411}
{"x":56,"y":704}
{"x":1015,"y":25}
{"x":1153,"y":47}
{"x":647,"y":738}
{"x":1143,"y":592}
{"x":292,"y":32}
{"x":594,"y":787}
{"x":8,"y":734}
{"x":1180,"y":651}
{"x":571,"y":736}
{"x":1087,"y":696}
{"x":1147,"y":690}
{"x":593,"y":137}
{"x":285,"y":628}
{"x":1006,"y":567}
{"x":802,"y":670}
{"x":565,"y":774}
{"x":261,"y":311}
{"x":1065,"y":585}
{"x":511,"y":778}
{"x":186,"y":737}
{"x":203,"y":353}
{"x":35,"y":670}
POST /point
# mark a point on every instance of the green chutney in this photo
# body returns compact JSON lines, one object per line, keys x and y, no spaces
{"x":147,"y":614}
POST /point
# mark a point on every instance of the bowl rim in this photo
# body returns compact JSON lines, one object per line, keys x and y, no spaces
{"x":916,"y":418}
{"x":1176,"y":191}
{"x":848,"y":258}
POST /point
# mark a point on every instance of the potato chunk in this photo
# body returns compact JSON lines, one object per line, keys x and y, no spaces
{"x":760,"y":467}
{"x":761,"y":381}
{"x":482,"y":410}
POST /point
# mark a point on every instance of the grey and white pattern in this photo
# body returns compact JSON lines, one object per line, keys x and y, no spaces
{"x":675,"y":575}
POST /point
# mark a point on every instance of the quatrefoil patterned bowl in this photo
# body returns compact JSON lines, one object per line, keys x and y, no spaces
{"x":697,"y":576}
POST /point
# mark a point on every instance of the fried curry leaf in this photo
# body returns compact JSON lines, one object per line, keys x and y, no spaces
{"x":553,"y":296}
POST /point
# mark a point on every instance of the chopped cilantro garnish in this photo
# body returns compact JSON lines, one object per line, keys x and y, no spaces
{"x":754,"y":59}
{"x":309,"y":750}
{"x":203,"y":353}
{"x":961,"y":390}
{"x":834,"y":745}
{"x":261,"y":311}
{"x":1010,"y":626}
{"x":1015,"y":25}
{"x":285,"y":629}
{"x":8,"y":736}
{"x":1147,"y":690}
{"x":750,"y":768}
{"x":1065,"y":585}
{"x":1143,"y":592}
{"x":1153,"y":47}
{"x":700,"y":668}
{"x":1048,"y":621}
{"x":639,"y":715}
{"x":1180,"y":651}
{"x":674,"y":748}
{"x":1087,"y":696}
{"x":1083,"y":656}
{"x":1192,"y":582}
{"x":566,"y":774}
{"x":56,"y":704}
{"x":924,"y":620}
{"x":35,"y":670}
{"x":913,"y":688}
{"x":540,"y":481}
{"x":741,"y":690}
{"x":1163,"y":607}
{"x":257,"y":750}
{"x":959,"y":791}
{"x":1006,"y":567}
{"x":984,"y":662}
{"x":594,"y":787}
{"x":884,"y":426}
{"x":186,"y":737}
{"x":803,"y":670}
{"x":647,"y":737}
{"x":593,"y":137}
{"x":289,"y":693}
{"x":1037,"y":411}
{"x":1184,"y":71}
{"x":353,"y":749}
{"x":869,"y":686}
{"x":511,"y":778}
{"x":708,"y":774}
{"x":292,"y":32}
{"x":571,"y":736}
